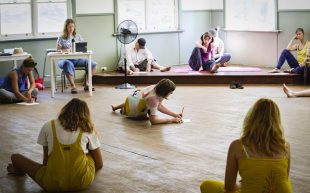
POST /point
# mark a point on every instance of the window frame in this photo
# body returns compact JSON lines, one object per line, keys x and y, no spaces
{"x":35,"y":25}
{"x":176,"y":14}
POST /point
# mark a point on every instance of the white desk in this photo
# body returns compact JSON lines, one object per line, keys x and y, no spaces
{"x":52,"y":56}
{"x":14,"y":58}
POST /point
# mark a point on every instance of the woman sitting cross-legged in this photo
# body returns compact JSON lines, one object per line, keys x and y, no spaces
{"x":71,"y":151}
{"x":204,"y":54}
{"x":261,"y":156}
{"x":15,"y":89}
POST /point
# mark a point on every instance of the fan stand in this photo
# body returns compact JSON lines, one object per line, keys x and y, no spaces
{"x":125,"y":85}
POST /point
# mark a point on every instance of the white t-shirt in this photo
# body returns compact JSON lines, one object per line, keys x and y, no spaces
{"x":134,"y":56}
{"x":45,"y":138}
{"x":217,"y":43}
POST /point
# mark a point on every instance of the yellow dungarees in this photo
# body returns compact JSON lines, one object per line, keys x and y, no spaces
{"x":68,"y":167}
{"x":259,"y":175}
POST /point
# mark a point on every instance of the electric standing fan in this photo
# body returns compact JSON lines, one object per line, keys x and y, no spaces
{"x":127,"y":32}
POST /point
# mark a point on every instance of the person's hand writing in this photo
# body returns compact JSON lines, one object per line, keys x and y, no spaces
{"x":176,"y":120}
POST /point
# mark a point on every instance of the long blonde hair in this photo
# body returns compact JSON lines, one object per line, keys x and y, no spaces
{"x":65,"y":33}
{"x":75,"y":114}
{"x":262,"y":128}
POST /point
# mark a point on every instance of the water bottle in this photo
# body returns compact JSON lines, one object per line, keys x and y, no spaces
{"x":73,"y":46}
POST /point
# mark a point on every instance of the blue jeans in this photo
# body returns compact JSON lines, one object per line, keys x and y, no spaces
{"x":291,"y":60}
{"x":208,"y":65}
{"x":225,"y":58}
{"x":68,"y":65}
{"x":196,"y":61}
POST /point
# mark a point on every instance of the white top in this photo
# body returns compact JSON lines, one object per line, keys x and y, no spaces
{"x":134,"y":56}
{"x":217,"y":44}
{"x":45,"y":138}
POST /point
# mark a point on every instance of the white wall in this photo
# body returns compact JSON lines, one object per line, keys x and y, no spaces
{"x":252,"y":48}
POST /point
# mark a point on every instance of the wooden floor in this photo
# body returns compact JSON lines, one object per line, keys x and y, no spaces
{"x":164,"y":158}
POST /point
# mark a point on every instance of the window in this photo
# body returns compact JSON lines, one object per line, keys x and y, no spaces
{"x":51,"y":15}
{"x":15,"y":17}
{"x":22,"y":19}
{"x":255,"y":15}
{"x":149,"y":15}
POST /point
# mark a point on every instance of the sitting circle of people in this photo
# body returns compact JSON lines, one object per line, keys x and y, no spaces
{"x":71,"y":147}
{"x":139,"y":58}
{"x":209,"y":53}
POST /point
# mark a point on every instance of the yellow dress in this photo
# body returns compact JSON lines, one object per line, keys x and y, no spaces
{"x":68,"y":167}
{"x":258,"y":175}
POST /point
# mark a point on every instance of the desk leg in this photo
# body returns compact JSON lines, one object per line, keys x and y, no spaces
{"x":90,"y":83}
{"x":15,"y":64}
{"x":52,"y":78}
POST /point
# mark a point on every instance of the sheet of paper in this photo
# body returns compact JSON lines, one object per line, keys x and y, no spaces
{"x":27,"y":104}
{"x":186,"y":121}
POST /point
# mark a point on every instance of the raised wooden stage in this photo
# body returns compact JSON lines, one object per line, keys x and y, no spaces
{"x":259,"y":77}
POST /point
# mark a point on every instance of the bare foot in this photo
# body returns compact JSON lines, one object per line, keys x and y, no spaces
{"x":287,"y":91}
{"x":129,"y":72}
{"x":113,"y":108}
{"x":12,"y":170}
{"x":215,"y":67}
{"x":165,"y":69}
{"x":226,"y":64}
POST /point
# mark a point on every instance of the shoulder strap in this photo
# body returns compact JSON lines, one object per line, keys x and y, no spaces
{"x":54,"y":131}
{"x":243,"y":149}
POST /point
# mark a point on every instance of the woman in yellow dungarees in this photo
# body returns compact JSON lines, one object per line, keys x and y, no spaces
{"x":71,"y":151}
{"x":261,"y":155}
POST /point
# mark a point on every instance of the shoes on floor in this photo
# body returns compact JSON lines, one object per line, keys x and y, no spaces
{"x":74,"y":91}
{"x":235,"y":84}
{"x":275,"y":71}
{"x":86,"y":88}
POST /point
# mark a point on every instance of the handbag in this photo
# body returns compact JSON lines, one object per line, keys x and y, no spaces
{"x":38,"y":80}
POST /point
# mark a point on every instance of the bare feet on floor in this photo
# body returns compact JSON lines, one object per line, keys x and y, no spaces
{"x":165,"y":69}
{"x":215,"y":67}
{"x":129,"y":72}
{"x":287,"y":91}
{"x":113,"y":108}
{"x":275,"y":70}
{"x":12,"y":170}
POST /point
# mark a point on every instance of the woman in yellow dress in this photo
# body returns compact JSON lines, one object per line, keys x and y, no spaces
{"x":261,"y":155}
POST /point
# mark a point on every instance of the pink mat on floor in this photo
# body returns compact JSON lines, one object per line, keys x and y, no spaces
{"x":221,"y":69}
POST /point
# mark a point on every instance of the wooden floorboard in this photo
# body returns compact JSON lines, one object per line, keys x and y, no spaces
{"x":169,"y":158}
{"x":260,"y":77}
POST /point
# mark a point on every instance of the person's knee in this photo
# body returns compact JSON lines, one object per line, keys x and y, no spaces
{"x":211,"y":186}
{"x":228,"y":56}
{"x":285,"y":50}
{"x":35,"y":92}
